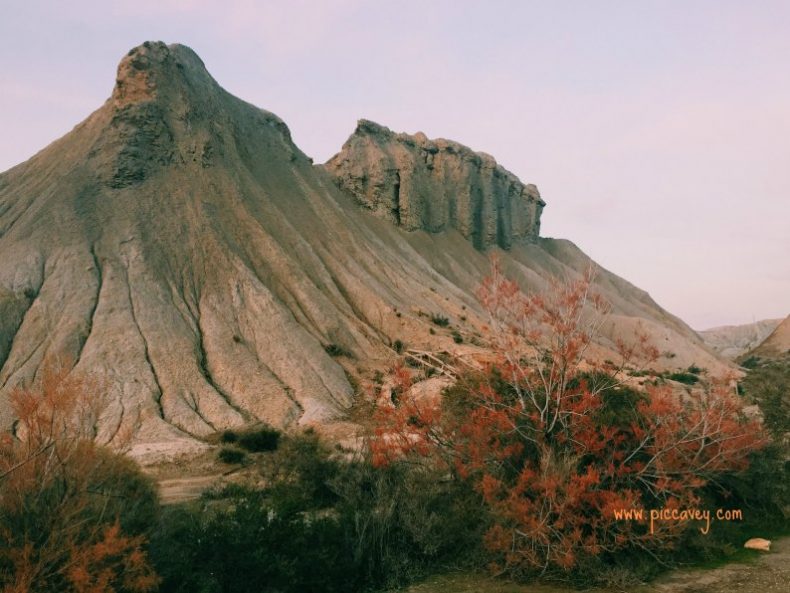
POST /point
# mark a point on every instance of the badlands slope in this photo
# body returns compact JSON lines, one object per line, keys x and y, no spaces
{"x":178,"y":248}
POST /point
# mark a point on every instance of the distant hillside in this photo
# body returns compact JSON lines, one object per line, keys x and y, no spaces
{"x":776,"y":345}
{"x":733,"y":340}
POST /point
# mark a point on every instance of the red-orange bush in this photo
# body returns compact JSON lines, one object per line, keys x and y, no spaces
{"x":64,"y":499}
{"x":554,"y":445}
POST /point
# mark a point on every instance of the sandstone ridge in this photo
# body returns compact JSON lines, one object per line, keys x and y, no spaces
{"x":434,"y":185}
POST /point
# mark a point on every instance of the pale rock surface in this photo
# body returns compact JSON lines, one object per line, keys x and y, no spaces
{"x":733,"y":340}
{"x":758,"y":543}
{"x":435,"y":185}
{"x":777,"y":344}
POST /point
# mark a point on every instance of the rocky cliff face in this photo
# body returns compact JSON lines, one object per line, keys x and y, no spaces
{"x":434,"y":185}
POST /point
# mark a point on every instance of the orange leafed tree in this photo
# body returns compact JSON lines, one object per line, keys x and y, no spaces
{"x":555,"y":443}
{"x":66,"y":502}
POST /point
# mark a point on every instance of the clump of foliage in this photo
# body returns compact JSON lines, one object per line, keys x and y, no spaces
{"x":228,"y":436}
{"x":74,"y":516}
{"x":324,"y":523}
{"x":231,"y":455}
{"x":554,"y":448}
{"x":258,"y":440}
{"x":751,"y":362}
{"x":440,"y":320}
{"x":398,"y":346}
{"x":683,"y":377}
{"x":457,"y":337}
{"x":768,"y":385}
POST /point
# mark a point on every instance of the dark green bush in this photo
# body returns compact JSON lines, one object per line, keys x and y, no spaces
{"x":324,"y":523}
{"x":260,"y":440}
{"x":440,"y":320}
{"x":768,"y":385}
{"x":752,"y":362}
{"x":457,"y":337}
{"x":398,"y":346}
{"x":336,"y":350}
{"x":685,"y":378}
{"x":228,"y":436}
{"x":231,"y":455}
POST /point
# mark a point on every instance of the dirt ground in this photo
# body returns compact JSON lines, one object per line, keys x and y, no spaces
{"x":768,"y":572}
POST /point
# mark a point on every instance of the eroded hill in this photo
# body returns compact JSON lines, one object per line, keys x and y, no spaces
{"x":177,"y":247}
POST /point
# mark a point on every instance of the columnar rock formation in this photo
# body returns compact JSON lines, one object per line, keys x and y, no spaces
{"x":434,"y":185}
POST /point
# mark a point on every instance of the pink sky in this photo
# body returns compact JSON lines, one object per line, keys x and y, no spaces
{"x":658,"y":132}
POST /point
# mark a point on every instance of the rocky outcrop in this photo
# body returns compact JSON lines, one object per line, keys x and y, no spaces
{"x":435,"y":185}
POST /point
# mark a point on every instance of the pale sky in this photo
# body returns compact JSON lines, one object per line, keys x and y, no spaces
{"x":658,"y":132}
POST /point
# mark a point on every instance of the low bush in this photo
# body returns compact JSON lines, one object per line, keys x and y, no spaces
{"x":685,"y":378}
{"x":260,"y":440}
{"x":324,"y":523}
{"x":440,"y":320}
{"x":228,"y":436}
{"x":336,"y":350}
{"x":231,"y":455}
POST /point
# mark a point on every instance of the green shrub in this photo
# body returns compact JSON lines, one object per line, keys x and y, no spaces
{"x":751,"y":362}
{"x":259,"y":440}
{"x":685,"y":378}
{"x":231,"y":455}
{"x":228,"y":436}
{"x":768,"y":385}
{"x":398,"y":346}
{"x":336,"y":350}
{"x":457,"y":337}
{"x":440,"y":320}
{"x":323,"y":524}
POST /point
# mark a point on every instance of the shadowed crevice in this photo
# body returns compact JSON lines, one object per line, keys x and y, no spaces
{"x":92,"y":315}
{"x":132,"y":310}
